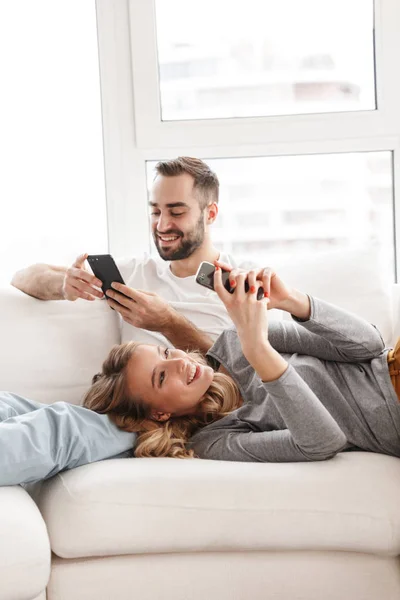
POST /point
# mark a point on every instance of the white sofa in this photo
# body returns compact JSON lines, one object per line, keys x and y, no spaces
{"x":194,"y":530}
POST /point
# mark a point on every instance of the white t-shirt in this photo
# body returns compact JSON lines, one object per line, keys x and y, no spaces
{"x":195,"y":302}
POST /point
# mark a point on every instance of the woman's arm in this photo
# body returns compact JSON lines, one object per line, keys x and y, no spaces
{"x":324,"y":330}
{"x":312,"y":434}
{"x":330,"y":333}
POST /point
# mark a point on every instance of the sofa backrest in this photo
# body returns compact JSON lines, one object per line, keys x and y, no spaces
{"x":51,"y":350}
{"x":359,"y":279}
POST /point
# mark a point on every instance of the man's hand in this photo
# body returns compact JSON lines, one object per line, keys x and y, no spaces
{"x":79,"y":283}
{"x":139,"y":308}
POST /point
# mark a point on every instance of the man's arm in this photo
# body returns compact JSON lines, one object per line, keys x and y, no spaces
{"x":41,"y":281}
{"x":49,"y":282}
{"x":148,"y":310}
{"x":184,"y":335}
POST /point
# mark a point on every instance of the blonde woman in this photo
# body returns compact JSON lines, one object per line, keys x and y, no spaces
{"x":297,"y":390}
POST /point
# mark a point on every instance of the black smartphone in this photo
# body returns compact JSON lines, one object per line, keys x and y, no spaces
{"x":205,"y":276}
{"x":105,"y":269}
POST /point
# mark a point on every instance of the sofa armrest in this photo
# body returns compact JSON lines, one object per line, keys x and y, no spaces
{"x":51,"y":349}
{"x":396,"y":311}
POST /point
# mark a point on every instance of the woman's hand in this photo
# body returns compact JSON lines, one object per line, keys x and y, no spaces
{"x":251,"y":319}
{"x":248,"y":314}
{"x":279,"y":293}
{"x":274,"y":288}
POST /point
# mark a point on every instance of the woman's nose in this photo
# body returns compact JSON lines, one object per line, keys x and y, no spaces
{"x":179,"y":364}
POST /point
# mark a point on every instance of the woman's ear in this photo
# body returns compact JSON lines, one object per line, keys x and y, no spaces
{"x":157,"y":415}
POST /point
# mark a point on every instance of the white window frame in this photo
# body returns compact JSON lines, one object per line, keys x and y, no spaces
{"x":134,"y":133}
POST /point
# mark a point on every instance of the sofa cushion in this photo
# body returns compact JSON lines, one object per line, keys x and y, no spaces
{"x":53,"y":348}
{"x":127,"y":506}
{"x":24,"y":547}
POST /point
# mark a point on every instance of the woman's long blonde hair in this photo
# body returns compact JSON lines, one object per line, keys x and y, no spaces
{"x":108,"y":395}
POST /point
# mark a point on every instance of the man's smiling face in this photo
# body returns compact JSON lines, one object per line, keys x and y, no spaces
{"x":177,"y":219}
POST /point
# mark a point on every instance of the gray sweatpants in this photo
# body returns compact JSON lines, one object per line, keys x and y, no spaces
{"x":39,"y":440}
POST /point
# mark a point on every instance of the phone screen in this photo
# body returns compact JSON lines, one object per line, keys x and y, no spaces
{"x":105,"y":269}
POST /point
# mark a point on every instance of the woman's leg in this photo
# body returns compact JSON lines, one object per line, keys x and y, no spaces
{"x":50,"y":438}
{"x":12,"y":405}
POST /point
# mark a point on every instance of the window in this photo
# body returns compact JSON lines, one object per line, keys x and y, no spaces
{"x":223,"y":59}
{"x":300,"y":120}
{"x":52,"y":183}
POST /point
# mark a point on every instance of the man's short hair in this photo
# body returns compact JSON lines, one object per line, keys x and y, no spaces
{"x":205,"y":180}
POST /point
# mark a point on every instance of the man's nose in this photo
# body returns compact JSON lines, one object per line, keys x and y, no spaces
{"x":164,"y":223}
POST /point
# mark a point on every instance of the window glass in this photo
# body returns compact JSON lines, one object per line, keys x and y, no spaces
{"x":220,"y":59}
{"x":52,"y":184}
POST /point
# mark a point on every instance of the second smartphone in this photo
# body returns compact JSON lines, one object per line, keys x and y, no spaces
{"x":205,"y":277}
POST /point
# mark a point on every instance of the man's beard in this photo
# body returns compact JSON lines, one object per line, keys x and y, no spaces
{"x":191,"y":241}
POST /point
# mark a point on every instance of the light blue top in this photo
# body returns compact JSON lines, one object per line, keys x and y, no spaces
{"x":38,"y":440}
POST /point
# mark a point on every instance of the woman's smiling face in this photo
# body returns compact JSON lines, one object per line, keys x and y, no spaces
{"x":169,"y":381}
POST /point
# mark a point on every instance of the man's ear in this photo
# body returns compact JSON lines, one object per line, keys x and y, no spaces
{"x":212,"y":212}
{"x":158,"y":415}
